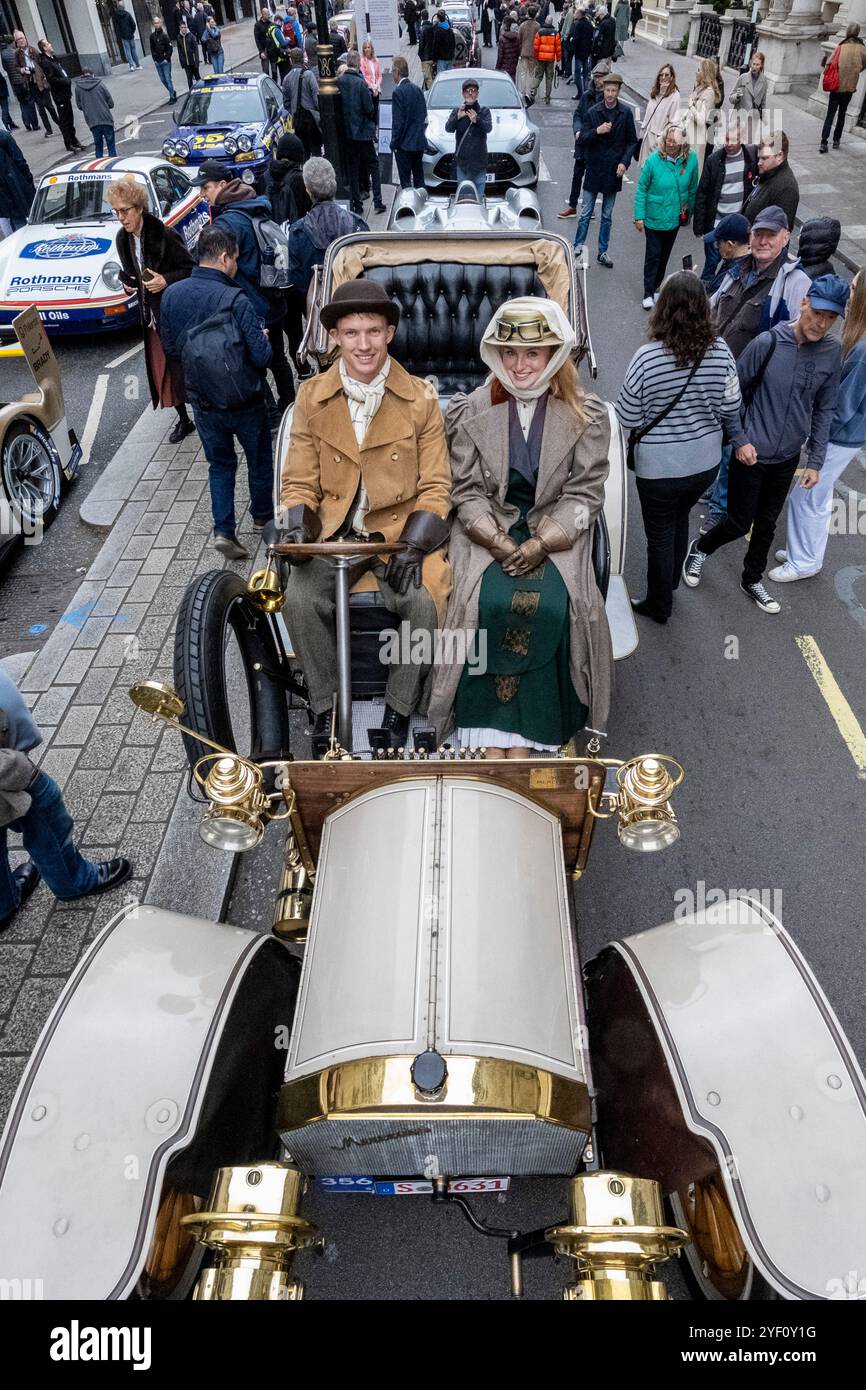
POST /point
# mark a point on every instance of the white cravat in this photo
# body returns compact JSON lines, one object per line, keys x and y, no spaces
{"x":363,"y":399}
{"x":525,"y":412}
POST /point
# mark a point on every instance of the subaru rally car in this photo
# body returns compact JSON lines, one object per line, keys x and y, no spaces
{"x":233,"y":117}
{"x":65,"y":260}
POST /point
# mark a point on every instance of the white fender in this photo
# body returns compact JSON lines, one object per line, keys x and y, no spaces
{"x":166,"y":1019}
{"x":764,"y":1077}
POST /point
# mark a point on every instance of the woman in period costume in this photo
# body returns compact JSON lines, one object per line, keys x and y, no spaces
{"x":529,"y":457}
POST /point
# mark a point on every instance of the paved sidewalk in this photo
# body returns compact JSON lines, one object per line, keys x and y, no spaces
{"x":136,"y":95}
{"x":830,"y":184}
{"x":123,"y":774}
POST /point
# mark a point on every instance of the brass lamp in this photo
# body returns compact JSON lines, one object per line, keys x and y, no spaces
{"x":646,"y":818}
{"x":234,"y":788}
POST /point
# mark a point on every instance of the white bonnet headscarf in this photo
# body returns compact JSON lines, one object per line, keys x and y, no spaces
{"x":557,"y":322}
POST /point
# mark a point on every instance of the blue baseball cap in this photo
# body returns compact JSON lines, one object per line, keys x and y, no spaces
{"x":734,"y":227}
{"x":771,"y":219}
{"x":828,"y":292}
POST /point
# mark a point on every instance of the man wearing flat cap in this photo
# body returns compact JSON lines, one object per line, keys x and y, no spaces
{"x":367,"y":458}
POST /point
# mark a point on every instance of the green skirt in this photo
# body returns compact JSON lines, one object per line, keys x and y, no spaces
{"x":521,"y":683}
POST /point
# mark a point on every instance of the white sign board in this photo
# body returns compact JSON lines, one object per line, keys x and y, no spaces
{"x":383,"y":26}
{"x":385,"y":114}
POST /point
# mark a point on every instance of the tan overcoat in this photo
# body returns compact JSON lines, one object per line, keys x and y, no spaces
{"x":403,"y":462}
{"x":570,"y":489}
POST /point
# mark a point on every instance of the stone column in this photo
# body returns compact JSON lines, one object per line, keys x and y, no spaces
{"x":778,"y":12}
{"x":804,"y":14}
{"x":695,"y":27}
{"x":678,"y":22}
{"x":725,"y":41}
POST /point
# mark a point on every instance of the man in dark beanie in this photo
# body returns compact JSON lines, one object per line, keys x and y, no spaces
{"x":367,"y":460}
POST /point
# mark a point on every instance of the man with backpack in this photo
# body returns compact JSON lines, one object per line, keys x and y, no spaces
{"x":789,"y":379}
{"x":262,"y":271}
{"x":210,"y":326}
{"x":301,"y":100}
{"x":280,"y":45}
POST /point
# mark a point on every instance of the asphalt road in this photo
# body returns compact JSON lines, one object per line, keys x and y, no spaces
{"x":772,"y":800}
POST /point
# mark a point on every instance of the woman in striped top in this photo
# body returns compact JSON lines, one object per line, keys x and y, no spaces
{"x":689,"y":372}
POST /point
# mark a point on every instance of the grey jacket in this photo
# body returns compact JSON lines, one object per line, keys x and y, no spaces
{"x":94,"y":101}
{"x":796,"y":399}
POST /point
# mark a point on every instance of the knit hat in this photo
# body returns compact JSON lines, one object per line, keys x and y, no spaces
{"x":289,"y":147}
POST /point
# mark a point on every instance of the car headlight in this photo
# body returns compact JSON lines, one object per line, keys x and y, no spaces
{"x":245,"y":143}
{"x":230,"y":144}
{"x":111,"y":275}
{"x":181,"y":149}
{"x":526,"y":145}
{"x":431,"y":148}
{"x":168,"y":148}
{"x":248,"y":176}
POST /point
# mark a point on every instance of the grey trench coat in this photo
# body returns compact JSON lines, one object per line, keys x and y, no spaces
{"x":570,"y":490}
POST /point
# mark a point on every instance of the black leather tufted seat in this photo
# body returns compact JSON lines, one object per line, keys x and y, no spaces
{"x":445,"y":308}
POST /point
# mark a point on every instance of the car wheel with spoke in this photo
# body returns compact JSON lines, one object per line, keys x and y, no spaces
{"x":716,"y":1264}
{"x":30,"y":475}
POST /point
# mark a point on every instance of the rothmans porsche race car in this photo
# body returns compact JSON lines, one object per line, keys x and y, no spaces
{"x":233,"y":117}
{"x":65,"y":260}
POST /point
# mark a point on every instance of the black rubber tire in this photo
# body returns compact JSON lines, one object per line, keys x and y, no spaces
{"x":601,"y":554}
{"x":211,"y":604}
{"x":27,"y":428}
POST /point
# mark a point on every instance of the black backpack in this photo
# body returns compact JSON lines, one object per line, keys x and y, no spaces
{"x":218,"y":373}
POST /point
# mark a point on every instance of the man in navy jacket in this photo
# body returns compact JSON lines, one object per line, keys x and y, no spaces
{"x":608,"y":140}
{"x":359,"y":119}
{"x":212,"y":287}
{"x":408,"y":126}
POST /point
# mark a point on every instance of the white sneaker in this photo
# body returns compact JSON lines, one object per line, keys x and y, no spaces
{"x":656,"y":296}
{"x":648,"y":301}
{"x":693,"y":566}
{"x":781,"y":556}
{"x":759,"y":596}
{"x":786,"y":574}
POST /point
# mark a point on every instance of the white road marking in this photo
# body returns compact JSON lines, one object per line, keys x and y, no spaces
{"x":94,"y":415}
{"x":124,"y":357}
{"x":544,"y":174}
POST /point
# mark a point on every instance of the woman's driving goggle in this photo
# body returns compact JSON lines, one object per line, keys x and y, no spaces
{"x":530,"y":331}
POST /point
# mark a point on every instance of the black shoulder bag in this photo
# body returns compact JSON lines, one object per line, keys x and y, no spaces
{"x":635,"y":436}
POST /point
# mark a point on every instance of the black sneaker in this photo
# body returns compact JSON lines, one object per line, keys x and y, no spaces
{"x":180,"y":431}
{"x":604,"y":259}
{"x":761,"y":599}
{"x":639,"y":605}
{"x":693,"y":566}
{"x":26,"y":877}
{"x":822,"y":148}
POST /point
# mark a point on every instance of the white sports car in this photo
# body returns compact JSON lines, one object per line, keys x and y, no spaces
{"x":65,"y":262}
{"x":513,"y":145}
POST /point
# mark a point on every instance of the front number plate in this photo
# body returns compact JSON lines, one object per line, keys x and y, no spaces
{"x":409,"y":1187}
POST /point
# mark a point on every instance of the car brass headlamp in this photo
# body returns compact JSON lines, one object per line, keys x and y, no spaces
{"x":235,"y":790}
{"x":642,"y":803}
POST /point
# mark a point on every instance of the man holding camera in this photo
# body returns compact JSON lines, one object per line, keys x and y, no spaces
{"x":471,"y":124}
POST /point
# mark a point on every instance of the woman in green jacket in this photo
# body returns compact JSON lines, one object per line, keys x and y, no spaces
{"x":663,"y":203}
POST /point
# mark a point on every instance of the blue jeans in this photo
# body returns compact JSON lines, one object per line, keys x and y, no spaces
{"x":131,"y":52}
{"x":219,"y":61}
{"x":47,"y":830}
{"x":718,"y":506}
{"x":100,"y":133}
{"x":217,"y":430}
{"x":587,"y":203}
{"x":443,"y":65}
{"x":479,"y":180}
{"x":165,"y":77}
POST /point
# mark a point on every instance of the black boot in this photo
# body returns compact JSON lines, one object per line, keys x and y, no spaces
{"x":320,"y":734}
{"x":183,"y":427}
{"x":27,"y":877}
{"x":397,"y":726}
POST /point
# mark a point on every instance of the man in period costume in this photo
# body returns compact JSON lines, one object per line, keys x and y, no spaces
{"x":367,"y":458}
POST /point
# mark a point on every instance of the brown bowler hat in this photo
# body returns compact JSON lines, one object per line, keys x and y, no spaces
{"x":359,"y":297}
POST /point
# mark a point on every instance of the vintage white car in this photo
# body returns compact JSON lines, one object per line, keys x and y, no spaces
{"x":64,"y":260}
{"x":419,"y":1014}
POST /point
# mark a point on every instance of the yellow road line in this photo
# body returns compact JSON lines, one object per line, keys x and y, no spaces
{"x":845,"y":718}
